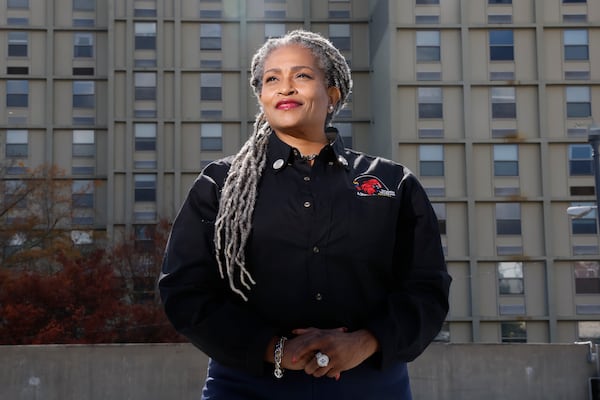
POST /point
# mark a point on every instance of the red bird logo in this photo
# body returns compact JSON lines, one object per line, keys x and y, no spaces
{"x":369,"y":185}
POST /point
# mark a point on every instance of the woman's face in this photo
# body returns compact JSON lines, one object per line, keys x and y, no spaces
{"x":294,"y":96}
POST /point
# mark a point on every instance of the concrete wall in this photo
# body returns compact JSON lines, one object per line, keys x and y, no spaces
{"x":176,"y":371}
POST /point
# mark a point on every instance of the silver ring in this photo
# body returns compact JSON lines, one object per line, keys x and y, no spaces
{"x":322,"y":359}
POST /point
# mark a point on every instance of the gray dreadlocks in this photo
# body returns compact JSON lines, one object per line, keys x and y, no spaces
{"x":238,"y":196}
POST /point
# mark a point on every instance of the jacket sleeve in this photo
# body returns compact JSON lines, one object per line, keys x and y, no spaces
{"x":197,"y":301}
{"x":417,"y":304}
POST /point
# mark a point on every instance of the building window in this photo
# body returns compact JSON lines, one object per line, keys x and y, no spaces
{"x":82,"y":238}
{"x":83,"y":45}
{"x":211,"y":86}
{"x":501,"y":45}
{"x":499,"y":1}
{"x":144,"y":237}
{"x":275,"y":13}
{"x":17,"y":93}
{"x":211,"y":137}
{"x":84,"y":143}
{"x":17,"y":70}
{"x":427,"y":19}
{"x":145,"y":137}
{"x":145,"y":187}
{"x":144,"y":233}
{"x":580,"y":160}
{"x":14,"y":244}
{"x":578,"y":102}
{"x":84,"y":94}
{"x":339,"y":34}
{"x":430,"y":102}
{"x":15,"y":195}
{"x":431,"y":160}
{"x":84,"y":5}
{"x":506,"y":160}
{"x":17,"y":21}
{"x":574,"y":1}
{"x":514,"y":332}
{"x":83,"y":22}
{"x":144,"y":8}
{"x":589,"y":330}
{"x":576,"y":45}
{"x":210,"y":37}
{"x":82,"y":195}
{"x":211,"y":8}
{"x":587,"y":277}
{"x":17,"y":143}
{"x":145,"y":36}
{"x":17,"y":44}
{"x":428,"y":46}
{"x":80,"y":71}
{"x":337,"y":9}
{"x":584,"y":224}
{"x":440,"y":213}
{"x":510,"y":277}
{"x":17,"y":4}
{"x":145,"y":85}
{"x":508,"y":219}
{"x":274,"y":30}
{"x":423,"y":2}
{"x":504,"y":102}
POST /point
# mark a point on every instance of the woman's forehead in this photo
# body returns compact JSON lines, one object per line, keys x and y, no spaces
{"x":292,"y":55}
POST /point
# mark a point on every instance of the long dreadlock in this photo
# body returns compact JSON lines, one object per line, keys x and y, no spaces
{"x":238,"y":197}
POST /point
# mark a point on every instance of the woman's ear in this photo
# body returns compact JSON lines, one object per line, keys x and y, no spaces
{"x":334,"y":95}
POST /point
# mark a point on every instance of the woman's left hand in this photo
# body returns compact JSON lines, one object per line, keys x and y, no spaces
{"x":345,"y":349}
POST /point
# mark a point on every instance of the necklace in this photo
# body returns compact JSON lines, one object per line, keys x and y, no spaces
{"x":309,"y":157}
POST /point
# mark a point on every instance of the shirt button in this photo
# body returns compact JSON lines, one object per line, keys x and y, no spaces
{"x":316,"y":249}
{"x":318,"y":297}
{"x":342,"y":161}
{"x":307,"y":204}
{"x":306,"y":178}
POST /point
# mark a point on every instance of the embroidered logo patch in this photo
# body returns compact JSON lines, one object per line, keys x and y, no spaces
{"x":369,"y":185}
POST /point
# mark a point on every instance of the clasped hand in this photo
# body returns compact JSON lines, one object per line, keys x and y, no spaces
{"x":345,"y":350}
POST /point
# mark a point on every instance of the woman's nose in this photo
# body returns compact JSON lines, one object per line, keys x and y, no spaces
{"x":287,"y":88}
{"x":288,"y":91}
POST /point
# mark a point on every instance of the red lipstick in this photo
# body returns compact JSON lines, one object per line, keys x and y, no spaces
{"x":287,"y":104}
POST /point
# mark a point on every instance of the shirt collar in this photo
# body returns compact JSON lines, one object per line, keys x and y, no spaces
{"x":280,"y":154}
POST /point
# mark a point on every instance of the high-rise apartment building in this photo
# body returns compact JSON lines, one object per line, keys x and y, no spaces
{"x":487,"y":101}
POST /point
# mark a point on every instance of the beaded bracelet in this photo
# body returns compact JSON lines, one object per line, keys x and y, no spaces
{"x":278,"y":372}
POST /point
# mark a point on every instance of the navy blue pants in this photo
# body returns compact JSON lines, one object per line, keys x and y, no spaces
{"x":361,"y":383}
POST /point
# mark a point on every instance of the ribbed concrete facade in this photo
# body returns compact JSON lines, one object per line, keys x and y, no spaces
{"x":488,"y":102}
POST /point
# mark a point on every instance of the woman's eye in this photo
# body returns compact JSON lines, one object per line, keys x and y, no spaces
{"x":269,"y":79}
{"x":303,"y":75}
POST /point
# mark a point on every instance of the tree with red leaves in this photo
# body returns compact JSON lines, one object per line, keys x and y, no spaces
{"x":55,"y":291}
{"x":84,"y":302}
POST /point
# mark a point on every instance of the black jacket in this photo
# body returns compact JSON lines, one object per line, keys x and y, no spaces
{"x":351,"y":241}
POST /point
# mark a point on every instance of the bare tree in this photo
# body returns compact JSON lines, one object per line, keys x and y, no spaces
{"x":35,"y":210}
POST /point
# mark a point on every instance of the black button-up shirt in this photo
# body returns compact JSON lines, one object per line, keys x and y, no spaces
{"x":350,"y":241}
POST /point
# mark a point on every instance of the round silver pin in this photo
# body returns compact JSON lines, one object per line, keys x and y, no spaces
{"x":278,"y":164}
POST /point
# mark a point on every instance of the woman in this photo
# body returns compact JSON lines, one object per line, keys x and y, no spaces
{"x":305,"y":270}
